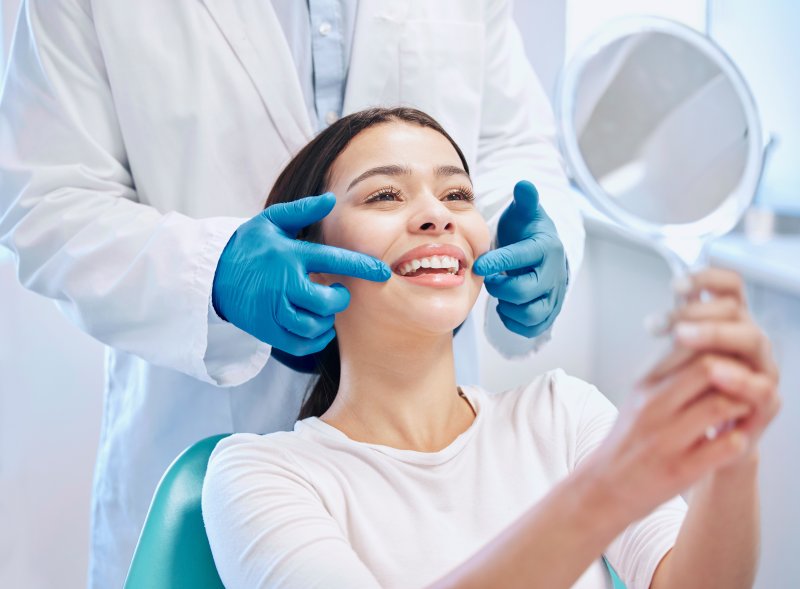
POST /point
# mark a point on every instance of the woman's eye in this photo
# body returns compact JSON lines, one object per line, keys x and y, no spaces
{"x":460,"y":195}
{"x":383,"y":196}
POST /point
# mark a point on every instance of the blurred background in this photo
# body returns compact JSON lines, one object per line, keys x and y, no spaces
{"x":51,"y":374}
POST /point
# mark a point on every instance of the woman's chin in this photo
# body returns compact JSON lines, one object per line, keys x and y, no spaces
{"x":433,"y":321}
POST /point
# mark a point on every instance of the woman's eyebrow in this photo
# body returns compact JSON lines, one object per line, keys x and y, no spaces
{"x":397,"y":170}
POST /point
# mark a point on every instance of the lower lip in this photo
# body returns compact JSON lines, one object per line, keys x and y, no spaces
{"x":437,"y":280}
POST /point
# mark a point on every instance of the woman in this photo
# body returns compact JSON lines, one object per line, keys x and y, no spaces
{"x":394,"y":476}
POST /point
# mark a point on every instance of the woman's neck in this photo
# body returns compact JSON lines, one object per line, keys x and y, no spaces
{"x":398,"y":389}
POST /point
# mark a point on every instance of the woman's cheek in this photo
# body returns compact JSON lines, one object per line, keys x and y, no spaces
{"x":480,"y":238}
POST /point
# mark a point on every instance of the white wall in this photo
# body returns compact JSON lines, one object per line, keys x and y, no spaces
{"x":50,"y":407}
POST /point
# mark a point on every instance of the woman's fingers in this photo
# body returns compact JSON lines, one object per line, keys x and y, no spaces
{"x":707,"y":392}
{"x":755,"y":388}
{"x":680,"y":386}
{"x":717,"y":281}
{"x":712,"y":454}
{"x":711,"y":410}
{"x":740,"y":338}
{"x":725,"y":308}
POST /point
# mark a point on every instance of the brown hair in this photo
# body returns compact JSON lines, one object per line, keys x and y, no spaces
{"x":308,"y":174}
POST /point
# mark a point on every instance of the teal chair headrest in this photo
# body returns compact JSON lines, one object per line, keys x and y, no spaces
{"x":173,"y":550}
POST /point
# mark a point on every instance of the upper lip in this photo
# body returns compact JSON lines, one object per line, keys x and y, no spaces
{"x":432,"y":249}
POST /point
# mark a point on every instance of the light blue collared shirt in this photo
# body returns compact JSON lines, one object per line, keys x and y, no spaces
{"x":320,"y":38}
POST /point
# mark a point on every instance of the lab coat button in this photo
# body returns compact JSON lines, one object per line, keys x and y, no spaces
{"x":331,"y":117}
{"x":325,"y":28}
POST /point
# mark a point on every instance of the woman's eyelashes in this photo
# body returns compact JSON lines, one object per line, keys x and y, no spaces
{"x":392,"y":194}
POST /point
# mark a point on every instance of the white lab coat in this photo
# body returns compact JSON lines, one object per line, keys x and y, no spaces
{"x":136,"y":136}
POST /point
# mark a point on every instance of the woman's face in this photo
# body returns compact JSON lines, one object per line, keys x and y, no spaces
{"x":402,"y":195}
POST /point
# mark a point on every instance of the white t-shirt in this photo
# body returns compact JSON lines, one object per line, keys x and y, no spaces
{"x":312,"y":508}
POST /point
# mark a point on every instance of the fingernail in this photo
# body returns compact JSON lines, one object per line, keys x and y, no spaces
{"x":682,"y":285}
{"x":688,"y":332}
{"x":656,"y":324}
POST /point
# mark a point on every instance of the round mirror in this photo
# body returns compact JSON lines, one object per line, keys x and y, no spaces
{"x":660,"y":130}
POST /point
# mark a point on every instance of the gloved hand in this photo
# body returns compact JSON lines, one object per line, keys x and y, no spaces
{"x":261,"y":284}
{"x":532,"y":256}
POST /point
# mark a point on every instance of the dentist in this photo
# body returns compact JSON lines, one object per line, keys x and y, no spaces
{"x":137,"y":143}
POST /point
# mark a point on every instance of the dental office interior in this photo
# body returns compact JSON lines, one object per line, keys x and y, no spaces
{"x":51,"y":373}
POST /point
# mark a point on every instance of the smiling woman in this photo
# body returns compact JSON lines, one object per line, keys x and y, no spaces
{"x":402,"y":163}
{"x":396,"y":476}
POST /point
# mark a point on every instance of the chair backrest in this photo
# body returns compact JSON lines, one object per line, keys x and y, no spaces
{"x":173,"y":550}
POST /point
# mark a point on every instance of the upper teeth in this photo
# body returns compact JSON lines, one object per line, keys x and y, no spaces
{"x":433,"y":262}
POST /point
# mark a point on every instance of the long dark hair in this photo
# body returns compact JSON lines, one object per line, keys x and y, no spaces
{"x":308,"y":174}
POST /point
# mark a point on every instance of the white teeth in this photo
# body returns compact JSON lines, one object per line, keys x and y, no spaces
{"x":448,"y":262}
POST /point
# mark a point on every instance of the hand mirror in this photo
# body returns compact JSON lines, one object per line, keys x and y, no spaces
{"x":661,"y":132}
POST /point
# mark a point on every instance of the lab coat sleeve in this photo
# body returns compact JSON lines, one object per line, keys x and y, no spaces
{"x":518,"y":142}
{"x":268,"y":527}
{"x":136,"y":278}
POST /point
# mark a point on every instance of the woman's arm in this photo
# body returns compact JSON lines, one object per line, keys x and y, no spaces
{"x":718,"y":543}
{"x":551,"y":545}
{"x":721,"y":372}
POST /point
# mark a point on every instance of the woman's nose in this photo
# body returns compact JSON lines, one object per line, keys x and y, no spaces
{"x":433,"y":218}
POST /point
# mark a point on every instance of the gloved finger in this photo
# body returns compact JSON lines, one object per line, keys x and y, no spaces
{"x":526,"y":200}
{"x":520,"y":329}
{"x":558,"y":302}
{"x":334,"y":260}
{"x":302,"y":346}
{"x":531,"y":313}
{"x":318,"y":298}
{"x":522,"y":254}
{"x":301,"y":322}
{"x":293,"y":216}
{"x":517,"y":289}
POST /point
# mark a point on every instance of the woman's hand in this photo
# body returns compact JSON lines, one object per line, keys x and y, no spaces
{"x":747,"y":371}
{"x":701,"y":408}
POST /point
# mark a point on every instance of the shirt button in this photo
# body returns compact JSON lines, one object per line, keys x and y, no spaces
{"x":325,"y":28}
{"x":331,"y":117}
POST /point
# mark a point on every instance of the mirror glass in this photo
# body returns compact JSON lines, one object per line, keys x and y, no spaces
{"x":660,"y":130}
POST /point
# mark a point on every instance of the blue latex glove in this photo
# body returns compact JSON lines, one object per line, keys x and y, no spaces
{"x":532,"y":256}
{"x":261,"y":284}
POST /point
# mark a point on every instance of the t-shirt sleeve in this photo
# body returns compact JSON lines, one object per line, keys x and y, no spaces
{"x":267,"y":526}
{"x":636,"y":552}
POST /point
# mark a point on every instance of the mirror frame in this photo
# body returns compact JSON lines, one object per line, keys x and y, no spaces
{"x":724,"y":217}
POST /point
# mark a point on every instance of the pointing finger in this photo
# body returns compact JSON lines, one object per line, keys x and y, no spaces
{"x":327,"y":259}
{"x":293,"y":216}
{"x":515,"y":256}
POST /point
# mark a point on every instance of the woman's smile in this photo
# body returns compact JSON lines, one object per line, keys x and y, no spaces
{"x":437,"y":265}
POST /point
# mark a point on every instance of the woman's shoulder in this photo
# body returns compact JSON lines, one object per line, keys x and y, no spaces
{"x":271,"y":453}
{"x":552,"y":388}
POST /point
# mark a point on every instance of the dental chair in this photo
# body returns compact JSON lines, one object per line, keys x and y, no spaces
{"x":173,"y":550}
